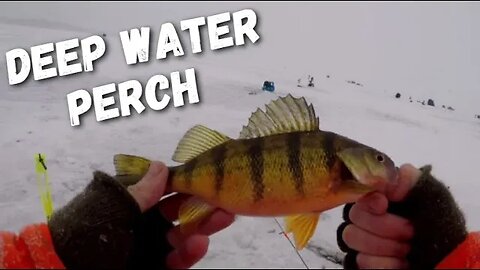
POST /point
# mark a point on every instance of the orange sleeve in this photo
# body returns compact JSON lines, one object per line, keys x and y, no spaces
{"x":31,"y":248}
{"x":466,"y":255}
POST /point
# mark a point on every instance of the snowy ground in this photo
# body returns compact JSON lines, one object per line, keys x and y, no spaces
{"x":34,"y":116}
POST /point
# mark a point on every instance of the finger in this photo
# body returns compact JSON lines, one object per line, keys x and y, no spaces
{"x":216,"y":222}
{"x":365,"y":242}
{"x":169,"y":206}
{"x":388,"y":225}
{"x":365,"y":261}
{"x":408,"y":177}
{"x":151,"y":187}
{"x":374,"y":203}
{"x":185,"y":256}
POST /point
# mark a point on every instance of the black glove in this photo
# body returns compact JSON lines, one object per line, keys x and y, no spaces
{"x":350,"y":259}
{"x":103,"y":227}
{"x":439,"y":224}
{"x":151,"y":245}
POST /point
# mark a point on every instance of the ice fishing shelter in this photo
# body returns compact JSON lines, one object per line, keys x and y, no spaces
{"x":268,"y":86}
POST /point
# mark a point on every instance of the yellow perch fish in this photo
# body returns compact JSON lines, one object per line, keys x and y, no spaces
{"x":282,"y":164}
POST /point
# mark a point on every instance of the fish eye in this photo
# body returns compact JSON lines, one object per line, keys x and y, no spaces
{"x":380,"y":158}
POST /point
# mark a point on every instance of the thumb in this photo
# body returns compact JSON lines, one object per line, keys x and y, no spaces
{"x":408,"y":177}
{"x":148,"y":191}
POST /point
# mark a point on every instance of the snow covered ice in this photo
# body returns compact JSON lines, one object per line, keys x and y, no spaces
{"x":427,"y":51}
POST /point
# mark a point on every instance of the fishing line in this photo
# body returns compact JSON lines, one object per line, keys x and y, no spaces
{"x":291,"y":243}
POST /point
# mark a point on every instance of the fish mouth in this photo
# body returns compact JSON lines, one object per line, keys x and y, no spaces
{"x":363,"y":181}
{"x":353,"y":182}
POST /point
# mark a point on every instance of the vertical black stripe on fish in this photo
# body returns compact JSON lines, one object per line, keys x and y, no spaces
{"x":218,"y":158}
{"x":172,"y":173}
{"x":256,"y":168}
{"x":329,"y":149}
{"x":294,"y":162}
{"x":188,"y":171}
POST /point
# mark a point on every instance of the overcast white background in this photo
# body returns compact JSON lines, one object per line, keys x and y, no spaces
{"x":423,"y":50}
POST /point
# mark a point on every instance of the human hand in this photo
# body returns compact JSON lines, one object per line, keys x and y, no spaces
{"x":188,"y":249}
{"x":376,"y":238}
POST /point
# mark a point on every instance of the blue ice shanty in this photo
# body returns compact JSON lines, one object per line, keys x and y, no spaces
{"x":268,"y":86}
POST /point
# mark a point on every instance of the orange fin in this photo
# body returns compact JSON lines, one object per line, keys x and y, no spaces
{"x":191,"y":213}
{"x":302,"y":226}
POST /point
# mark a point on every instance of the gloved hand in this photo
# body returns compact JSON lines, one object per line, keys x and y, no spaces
{"x":110,"y":226}
{"x":415,"y":224}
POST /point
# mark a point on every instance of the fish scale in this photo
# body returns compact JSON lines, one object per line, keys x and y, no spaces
{"x":282,"y":164}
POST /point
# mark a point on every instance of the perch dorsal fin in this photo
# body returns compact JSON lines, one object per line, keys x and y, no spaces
{"x":197,"y":140}
{"x":283,"y":115}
